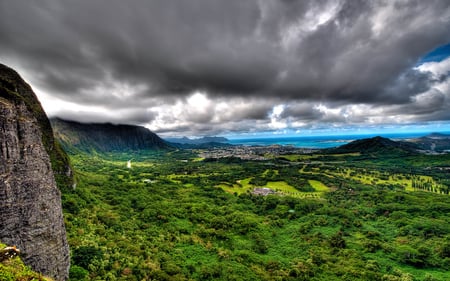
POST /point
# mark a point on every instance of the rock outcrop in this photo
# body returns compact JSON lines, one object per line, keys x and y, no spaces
{"x":30,"y":201}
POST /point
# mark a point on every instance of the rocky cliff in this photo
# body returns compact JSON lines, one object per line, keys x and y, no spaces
{"x":30,"y":202}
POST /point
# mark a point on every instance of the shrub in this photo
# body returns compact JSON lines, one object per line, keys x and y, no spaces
{"x":78,"y":273}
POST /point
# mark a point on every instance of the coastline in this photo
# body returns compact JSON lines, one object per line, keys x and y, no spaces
{"x":320,"y":142}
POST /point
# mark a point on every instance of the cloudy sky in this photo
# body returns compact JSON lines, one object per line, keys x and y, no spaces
{"x":236,"y":67}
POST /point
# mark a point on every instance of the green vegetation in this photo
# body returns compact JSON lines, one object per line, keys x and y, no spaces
{"x":318,"y":186}
{"x":173,"y":216}
{"x":13,"y":269}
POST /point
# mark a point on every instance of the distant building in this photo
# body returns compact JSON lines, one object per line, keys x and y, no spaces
{"x":263,"y":191}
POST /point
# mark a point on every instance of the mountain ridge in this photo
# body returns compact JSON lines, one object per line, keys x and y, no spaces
{"x":434,"y":142}
{"x":105,"y":137}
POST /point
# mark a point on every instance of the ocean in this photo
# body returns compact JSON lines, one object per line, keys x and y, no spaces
{"x":318,"y":142}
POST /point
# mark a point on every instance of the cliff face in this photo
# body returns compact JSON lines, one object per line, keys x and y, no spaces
{"x":30,"y":201}
{"x":105,"y":137}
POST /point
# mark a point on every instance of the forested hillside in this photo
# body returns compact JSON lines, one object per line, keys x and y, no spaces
{"x":97,"y":137}
{"x":175,"y":216}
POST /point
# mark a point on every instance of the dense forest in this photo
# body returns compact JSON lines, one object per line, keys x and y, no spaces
{"x":171,"y":215}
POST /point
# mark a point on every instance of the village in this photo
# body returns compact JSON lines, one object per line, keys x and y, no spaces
{"x":252,"y":152}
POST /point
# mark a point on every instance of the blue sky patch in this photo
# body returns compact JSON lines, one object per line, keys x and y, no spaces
{"x":438,"y":54}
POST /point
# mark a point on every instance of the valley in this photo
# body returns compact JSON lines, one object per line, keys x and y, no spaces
{"x":225,"y":140}
{"x":195,"y":214}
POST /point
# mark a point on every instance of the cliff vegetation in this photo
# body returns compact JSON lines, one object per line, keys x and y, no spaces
{"x":15,"y":270}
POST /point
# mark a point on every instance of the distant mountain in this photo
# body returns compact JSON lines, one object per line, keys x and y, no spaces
{"x":436,"y":142}
{"x":104,"y":137}
{"x":377,"y":145}
{"x":206,"y":145}
{"x":438,"y":136}
{"x":185,"y":140}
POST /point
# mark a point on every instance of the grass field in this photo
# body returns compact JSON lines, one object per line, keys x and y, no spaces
{"x":370,"y":177}
{"x":318,"y":186}
{"x":281,"y":187}
{"x":308,"y":157}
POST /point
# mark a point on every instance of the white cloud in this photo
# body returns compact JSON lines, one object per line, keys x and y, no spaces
{"x":276,"y":121}
{"x":436,"y":68}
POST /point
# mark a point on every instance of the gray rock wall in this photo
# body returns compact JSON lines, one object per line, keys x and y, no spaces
{"x":30,"y":202}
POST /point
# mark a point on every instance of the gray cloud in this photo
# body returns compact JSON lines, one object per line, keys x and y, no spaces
{"x":302,"y":111}
{"x":127,"y":116}
{"x":137,"y":55}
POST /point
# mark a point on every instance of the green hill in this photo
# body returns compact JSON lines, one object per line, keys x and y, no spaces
{"x":377,"y":145}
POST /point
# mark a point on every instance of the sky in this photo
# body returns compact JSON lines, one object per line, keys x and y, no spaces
{"x":236,"y":68}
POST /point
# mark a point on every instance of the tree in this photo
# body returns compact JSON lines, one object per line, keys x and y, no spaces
{"x":337,"y":240}
{"x":78,"y":273}
{"x":84,"y":255}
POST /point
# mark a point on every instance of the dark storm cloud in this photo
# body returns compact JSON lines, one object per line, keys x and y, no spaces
{"x":341,"y":52}
{"x":303,"y":111}
{"x":433,"y":102}
{"x":432,"y":106}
